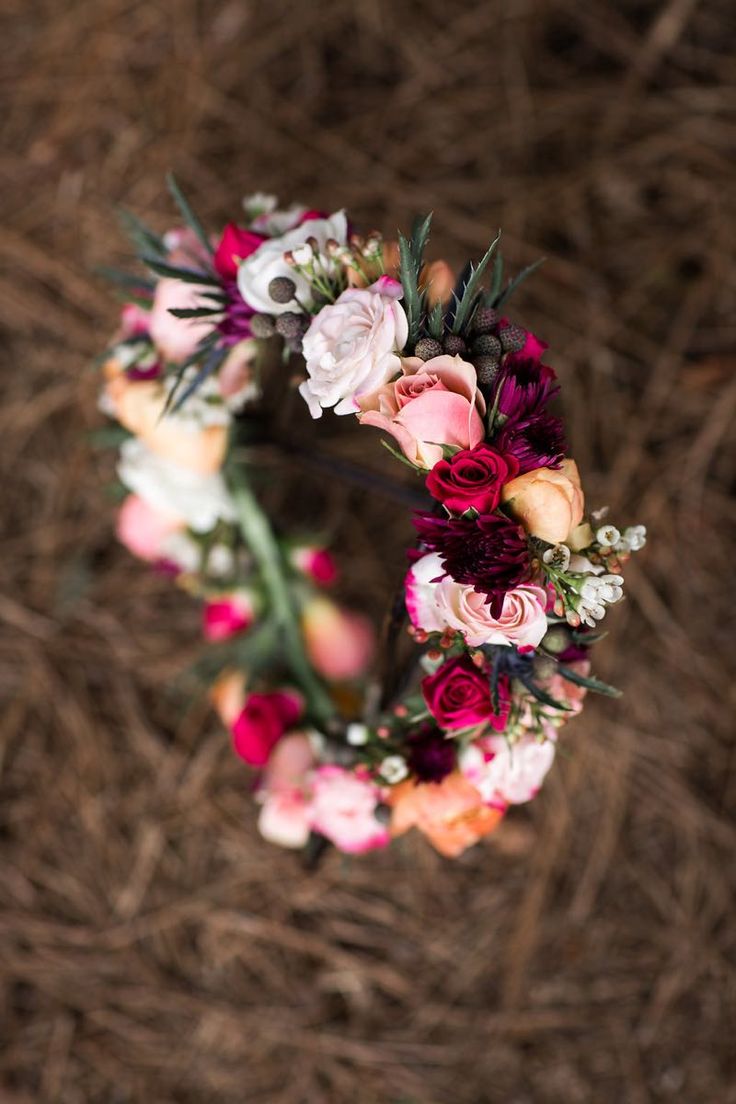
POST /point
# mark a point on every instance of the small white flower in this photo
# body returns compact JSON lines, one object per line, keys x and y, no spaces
{"x":608,"y":535}
{"x":357,"y":734}
{"x":597,"y":592}
{"x":636,"y":537}
{"x":260,"y":203}
{"x":558,"y":557}
{"x":220,"y":560}
{"x":393,"y":769}
{"x":302,"y":255}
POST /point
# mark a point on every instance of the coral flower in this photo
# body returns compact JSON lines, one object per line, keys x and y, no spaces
{"x":450,"y":813}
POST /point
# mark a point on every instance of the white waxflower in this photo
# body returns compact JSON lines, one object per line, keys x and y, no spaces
{"x":220,"y":561}
{"x":558,"y":557}
{"x":596,"y":593}
{"x":393,"y":769}
{"x":635,"y":537}
{"x":302,"y":255}
{"x":357,"y":734}
{"x":608,"y":536}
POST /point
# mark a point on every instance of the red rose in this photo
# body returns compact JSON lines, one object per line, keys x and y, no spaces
{"x":458,"y":695}
{"x":262,"y":722}
{"x":234,"y":243}
{"x":471,"y":478}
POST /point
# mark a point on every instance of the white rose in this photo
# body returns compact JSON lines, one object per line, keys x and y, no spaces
{"x":435,"y":603}
{"x":257,"y":271}
{"x":199,"y":500}
{"x":512,"y":773}
{"x":351,"y":347}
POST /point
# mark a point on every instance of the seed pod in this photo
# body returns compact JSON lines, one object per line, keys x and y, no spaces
{"x":485,"y":319}
{"x":282,"y":289}
{"x":262,"y":325}
{"x":291,"y":325}
{"x":513,"y":338}
{"x":487,"y":369}
{"x":427,"y":347}
{"x":486,"y":345}
{"x":556,"y":639}
{"x":454,"y":345}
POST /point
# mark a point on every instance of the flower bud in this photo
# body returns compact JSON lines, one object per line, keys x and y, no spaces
{"x":282,"y":289}
{"x":262,"y":326}
{"x":291,"y":325}
{"x":484,"y":320}
{"x":513,"y":338}
{"x":427,"y":347}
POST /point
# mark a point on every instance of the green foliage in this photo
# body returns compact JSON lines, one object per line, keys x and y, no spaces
{"x":436,"y":322}
{"x":516,"y":282}
{"x":187,"y":213}
{"x":143,"y":238}
{"x":411,"y":254}
{"x":589,"y":683}
{"x":176,"y":272}
{"x":466,"y":301}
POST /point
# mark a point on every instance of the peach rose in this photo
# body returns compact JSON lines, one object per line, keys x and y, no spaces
{"x":450,"y":813}
{"x":181,"y":437}
{"x":548,"y":502}
{"x":228,"y":696}
{"x":434,"y":403}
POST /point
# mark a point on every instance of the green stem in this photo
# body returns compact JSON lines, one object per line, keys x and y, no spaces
{"x":260,"y":539}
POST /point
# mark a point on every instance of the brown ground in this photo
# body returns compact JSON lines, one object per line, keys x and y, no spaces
{"x":152,"y":948}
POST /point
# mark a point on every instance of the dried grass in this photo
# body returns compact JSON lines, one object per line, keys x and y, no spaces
{"x":152,"y":947}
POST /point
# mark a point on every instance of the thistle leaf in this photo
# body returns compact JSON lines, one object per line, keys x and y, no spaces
{"x":210,"y":365}
{"x":187,"y":213}
{"x":203,"y":350}
{"x":517,"y":280}
{"x":472,"y":288}
{"x":436,"y":322}
{"x":419,"y":238}
{"x":124,"y":279}
{"x":496,"y":280}
{"x":187,"y":275}
{"x":143,"y":238}
{"x":412,"y":301}
{"x":589,"y":683}
{"x":194,"y":312}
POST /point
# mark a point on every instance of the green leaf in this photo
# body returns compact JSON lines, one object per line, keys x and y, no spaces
{"x":187,"y":213}
{"x":400,"y":456}
{"x":187,"y":275}
{"x":210,"y":365}
{"x":517,"y":280}
{"x":194,"y":312}
{"x":124,"y":279}
{"x":436,"y":322}
{"x":412,"y":301}
{"x":496,"y":280}
{"x":419,"y":238}
{"x":196,"y":357}
{"x":472,"y":288}
{"x":545,"y":698}
{"x":589,"y":683}
{"x":143,"y":238}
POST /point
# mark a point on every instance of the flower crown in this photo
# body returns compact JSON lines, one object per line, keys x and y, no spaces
{"x":509,"y":577}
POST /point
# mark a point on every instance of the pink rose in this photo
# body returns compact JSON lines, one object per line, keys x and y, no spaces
{"x":458,"y":695}
{"x":318,"y":564}
{"x":343,"y":809}
{"x":434,"y":403}
{"x":508,"y":773}
{"x":262,"y":722}
{"x":351,"y":347}
{"x":144,"y":530}
{"x":228,"y":614}
{"x":284,"y":817}
{"x":436,"y":603}
{"x":340,"y":643}
{"x":471,"y":479}
{"x":177,"y":338}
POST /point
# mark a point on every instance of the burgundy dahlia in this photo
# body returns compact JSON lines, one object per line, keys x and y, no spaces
{"x":431,"y":755}
{"x":525,"y":387}
{"x":235,"y":323}
{"x":488,"y":553}
{"x":534,"y":442}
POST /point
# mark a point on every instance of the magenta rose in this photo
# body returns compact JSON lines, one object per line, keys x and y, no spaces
{"x":458,"y":695}
{"x":262,"y":722}
{"x":471,"y":478}
{"x":235,"y":245}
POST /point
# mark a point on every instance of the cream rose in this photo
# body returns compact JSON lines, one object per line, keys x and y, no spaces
{"x":510,"y":773}
{"x":548,"y":502}
{"x":199,"y":500}
{"x":435,"y":603}
{"x":351,"y":347}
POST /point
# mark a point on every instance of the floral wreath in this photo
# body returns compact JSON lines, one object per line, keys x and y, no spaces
{"x":508,"y":579}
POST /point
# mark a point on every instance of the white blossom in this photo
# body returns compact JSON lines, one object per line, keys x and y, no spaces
{"x":558,"y":557}
{"x":596,"y":593}
{"x":608,"y":536}
{"x":393,"y":769}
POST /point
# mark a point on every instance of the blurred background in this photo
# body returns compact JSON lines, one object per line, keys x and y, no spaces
{"x":152,"y":947}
